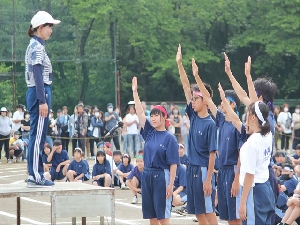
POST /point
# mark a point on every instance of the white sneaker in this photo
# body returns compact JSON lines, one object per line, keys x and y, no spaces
{"x":134,"y":200}
{"x":123,"y":186}
{"x":14,"y":159}
{"x":8,"y":161}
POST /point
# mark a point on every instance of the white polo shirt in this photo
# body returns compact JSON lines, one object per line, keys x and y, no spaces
{"x":17,"y":116}
{"x":133,"y":128}
{"x":255,"y":155}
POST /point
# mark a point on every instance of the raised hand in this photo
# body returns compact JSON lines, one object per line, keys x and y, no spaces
{"x":222,"y":93}
{"x":248,"y":67}
{"x":179,"y":55}
{"x":134,"y":84}
{"x":194,"y":67}
{"x":227,"y":64}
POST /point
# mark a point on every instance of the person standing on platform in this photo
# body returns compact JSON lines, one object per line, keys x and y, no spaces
{"x":38,"y":77}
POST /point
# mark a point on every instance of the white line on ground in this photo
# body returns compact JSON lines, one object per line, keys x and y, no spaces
{"x":17,"y":182}
{"x":11,"y":176}
{"x":22,"y":218}
{"x":14,"y":171}
{"x":35,"y":201}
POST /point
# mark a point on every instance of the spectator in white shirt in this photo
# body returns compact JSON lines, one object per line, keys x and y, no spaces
{"x":132,"y":123}
{"x":284,"y":121}
{"x":18,"y":117}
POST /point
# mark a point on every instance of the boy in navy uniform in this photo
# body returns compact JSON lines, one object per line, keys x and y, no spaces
{"x":183,"y":157}
{"x":201,"y":151}
{"x":77,"y":168}
{"x":60,"y":162}
{"x":229,"y":145}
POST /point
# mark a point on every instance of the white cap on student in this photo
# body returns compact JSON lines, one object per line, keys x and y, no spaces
{"x":41,"y":18}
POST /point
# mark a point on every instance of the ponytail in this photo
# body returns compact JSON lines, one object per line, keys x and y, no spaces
{"x":31,"y":31}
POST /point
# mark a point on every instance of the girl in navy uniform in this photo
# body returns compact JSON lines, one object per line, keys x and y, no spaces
{"x":201,"y":152}
{"x":228,"y":149}
{"x":257,"y":205}
{"x":124,"y":170}
{"x":77,"y":168}
{"x":101,"y":173}
{"x":38,"y":76}
{"x":160,"y":159}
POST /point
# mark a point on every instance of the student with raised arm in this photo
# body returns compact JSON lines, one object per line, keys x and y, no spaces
{"x":262,"y":89}
{"x":257,"y":204}
{"x":160,"y":163}
{"x":229,"y":145}
{"x":201,"y":151}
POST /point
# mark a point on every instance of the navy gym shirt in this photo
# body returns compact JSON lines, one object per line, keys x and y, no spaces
{"x":58,"y":158}
{"x":101,"y":169}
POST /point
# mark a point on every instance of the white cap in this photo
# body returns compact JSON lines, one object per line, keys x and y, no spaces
{"x":41,"y":18}
{"x":3,"y":109}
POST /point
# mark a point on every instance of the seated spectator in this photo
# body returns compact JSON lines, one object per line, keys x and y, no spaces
{"x":296,"y":157}
{"x":87,"y":176}
{"x":179,"y":191}
{"x":279,"y":159}
{"x":293,"y":211}
{"x":117,"y":157}
{"x":288,"y":180}
{"x":46,"y":151}
{"x":77,"y":168}
{"x":17,"y":149}
{"x":60,"y":162}
{"x":124,"y":170}
{"x":182,"y":156}
{"x":101,"y":174}
{"x":134,"y":179}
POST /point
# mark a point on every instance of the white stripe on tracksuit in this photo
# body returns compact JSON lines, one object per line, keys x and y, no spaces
{"x":36,"y":149}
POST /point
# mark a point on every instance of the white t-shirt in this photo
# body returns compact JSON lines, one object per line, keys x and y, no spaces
{"x":17,"y":116}
{"x":255,"y":157}
{"x":282,"y":117}
{"x":133,"y":128}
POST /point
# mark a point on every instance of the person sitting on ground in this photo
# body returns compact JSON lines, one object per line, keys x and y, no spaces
{"x":280,"y":158}
{"x":101,"y":174}
{"x":87,"y":175}
{"x":60,"y":162}
{"x":77,"y":168}
{"x":134,"y":179}
{"x":179,"y":191}
{"x":288,"y":180}
{"x":124,"y":170}
{"x":182,"y":156}
{"x":296,"y":157}
{"x":293,"y":211}
{"x":46,"y":151}
{"x":17,"y":149}
{"x":16,"y":136}
{"x":117,"y":157}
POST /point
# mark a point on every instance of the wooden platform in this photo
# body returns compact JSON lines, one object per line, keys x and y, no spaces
{"x":67,"y":200}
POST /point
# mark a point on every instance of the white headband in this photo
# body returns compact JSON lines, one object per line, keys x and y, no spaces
{"x":259,"y":114}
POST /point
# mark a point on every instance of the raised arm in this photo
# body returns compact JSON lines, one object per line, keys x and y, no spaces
{"x":231,"y":114}
{"x":205,"y":94}
{"x":138,"y":105}
{"x":241,"y":93}
{"x":251,"y":88}
{"x":183,"y":77}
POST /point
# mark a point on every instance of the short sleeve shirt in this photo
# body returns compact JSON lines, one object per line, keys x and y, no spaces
{"x":135,"y":172}
{"x":180,"y":178}
{"x":36,"y":54}
{"x":161,"y":148}
{"x":258,"y":148}
{"x":112,"y":122}
{"x":229,"y":141}
{"x":58,"y":158}
{"x":99,"y":169}
{"x":44,"y":159}
{"x":78,"y":167}
{"x":125,"y":169}
{"x":202,"y":138}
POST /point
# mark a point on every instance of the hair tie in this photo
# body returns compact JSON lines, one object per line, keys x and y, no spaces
{"x":259,"y":114}
{"x":197,"y":93}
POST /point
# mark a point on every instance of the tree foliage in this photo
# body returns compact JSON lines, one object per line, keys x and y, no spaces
{"x":146,"y":35}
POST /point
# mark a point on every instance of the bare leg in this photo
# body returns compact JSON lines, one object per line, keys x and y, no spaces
{"x":107,"y":180}
{"x":235,"y":222}
{"x":70,"y":175}
{"x":47,"y":176}
{"x":211,"y":218}
{"x":154,"y":221}
{"x":95,"y":183}
{"x":164,"y":222}
{"x":294,"y":215}
{"x":65,"y":168}
{"x":202,"y":219}
{"x":287,"y":214}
